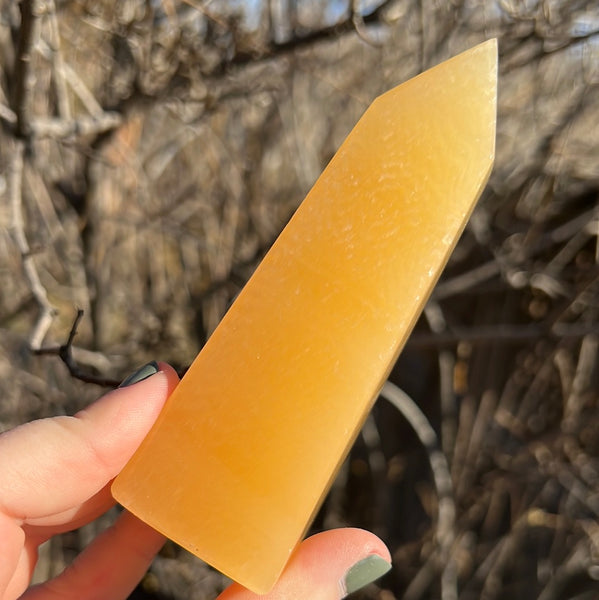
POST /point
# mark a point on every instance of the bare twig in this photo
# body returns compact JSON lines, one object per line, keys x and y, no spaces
{"x":505,"y":333}
{"x":442,"y":479}
{"x":577,"y":565}
{"x":565,"y":365}
{"x":507,"y":548}
{"x":466,"y":420}
{"x":39,"y":191}
{"x":466,"y":281}
{"x":64,"y":106}
{"x":82,"y":91}
{"x":361,"y":29}
{"x":581,"y":382}
{"x":28,"y":35}
{"x":476,"y":442}
{"x":7,"y":115}
{"x":15,"y":191}
{"x":25,"y":127}
{"x":423,"y":579}
{"x":82,"y":126}
{"x":65,"y":352}
{"x":535,"y":391}
{"x":437,"y":323}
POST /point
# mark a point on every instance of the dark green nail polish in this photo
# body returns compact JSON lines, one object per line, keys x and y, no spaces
{"x":143,"y":373}
{"x":364,"y":572}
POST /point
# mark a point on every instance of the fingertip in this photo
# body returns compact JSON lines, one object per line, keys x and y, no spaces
{"x":348,"y":543}
{"x":119,"y":420}
{"x":146,"y":389}
{"x":331,"y":557}
{"x":170,"y":373}
{"x":326,"y":566}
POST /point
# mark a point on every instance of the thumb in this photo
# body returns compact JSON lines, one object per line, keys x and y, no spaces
{"x":326,"y":566}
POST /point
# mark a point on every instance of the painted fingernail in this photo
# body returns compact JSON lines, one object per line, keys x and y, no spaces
{"x":366,"y":571}
{"x":143,"y":373}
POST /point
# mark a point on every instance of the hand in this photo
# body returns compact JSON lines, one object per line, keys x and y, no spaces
{"x":55,"y":476}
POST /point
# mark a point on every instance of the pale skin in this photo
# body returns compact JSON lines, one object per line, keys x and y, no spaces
{"x":55,"y":476}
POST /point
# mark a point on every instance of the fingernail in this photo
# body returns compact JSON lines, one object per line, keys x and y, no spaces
{"x":366,"y":571}
{"x":143,"y":373}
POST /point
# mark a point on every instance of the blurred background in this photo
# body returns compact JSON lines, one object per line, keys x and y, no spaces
{"x":150,"y":153}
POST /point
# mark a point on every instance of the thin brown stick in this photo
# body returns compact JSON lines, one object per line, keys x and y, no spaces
{"x":503,"y":333}
{"x":28,"y":34}
{"x":581,"y":382}
{"x":82,"y":92}
{"x":65,"y":352}
{"x":62,"y":96}
{"x":466,"y":281}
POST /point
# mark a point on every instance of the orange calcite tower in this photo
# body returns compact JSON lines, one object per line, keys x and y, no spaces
{"x":248,"y":444}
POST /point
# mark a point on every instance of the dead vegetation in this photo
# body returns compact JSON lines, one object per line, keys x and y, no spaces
{"x":150,"y":152}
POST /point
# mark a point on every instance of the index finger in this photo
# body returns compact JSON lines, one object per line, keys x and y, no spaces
{"x":53,"y":466}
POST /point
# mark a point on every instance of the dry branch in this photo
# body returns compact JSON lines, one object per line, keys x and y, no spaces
{"x":443,"y":485}
{"x":15,"y":191}
{"x":64,"y":106}
{"x":83,"y":126}
{"x":24,"y":78}
{"x":28,"y":128}
{"x":65,"y":353}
